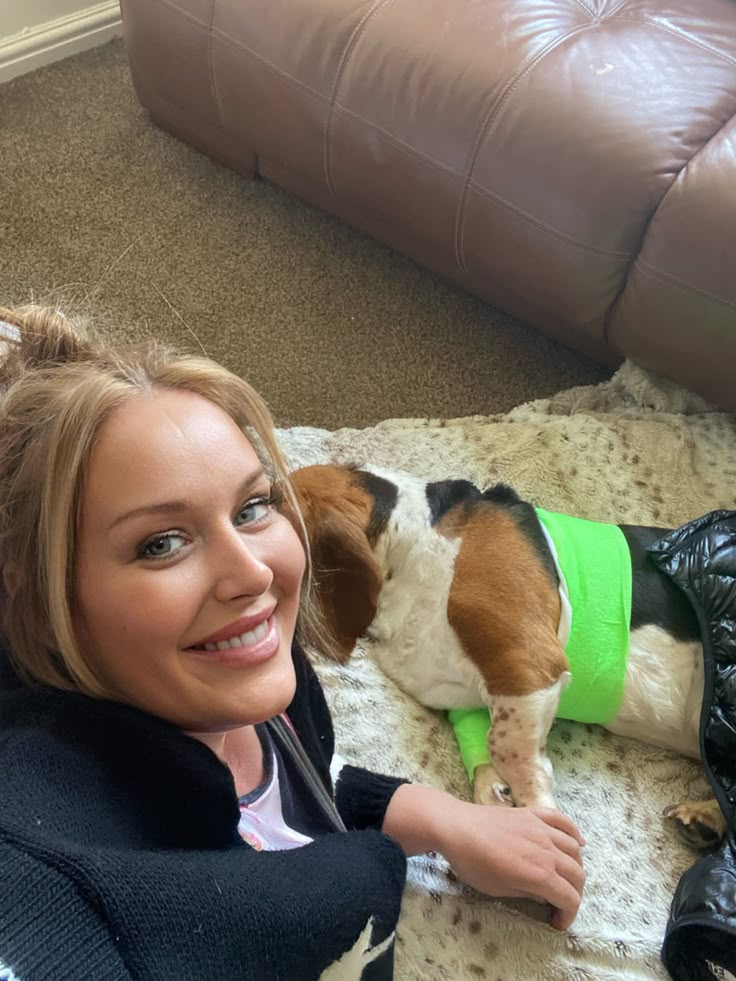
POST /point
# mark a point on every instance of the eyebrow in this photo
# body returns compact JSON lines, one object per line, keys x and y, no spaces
{"x":176,"y":507}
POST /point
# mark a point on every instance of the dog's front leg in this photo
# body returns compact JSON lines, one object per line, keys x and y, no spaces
{"x":517,"y":743}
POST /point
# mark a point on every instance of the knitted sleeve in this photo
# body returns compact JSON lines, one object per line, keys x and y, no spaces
{"x":361,"y":796}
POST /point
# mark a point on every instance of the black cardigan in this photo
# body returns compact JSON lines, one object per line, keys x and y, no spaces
{"x":120,"y":856}
{"x":701,"y":558}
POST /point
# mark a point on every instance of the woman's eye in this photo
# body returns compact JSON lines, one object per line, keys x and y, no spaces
{"x":253,"y":511}
{"x":160,"y":546}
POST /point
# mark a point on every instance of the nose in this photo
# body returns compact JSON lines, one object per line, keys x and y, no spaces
{"x":239,"y":570}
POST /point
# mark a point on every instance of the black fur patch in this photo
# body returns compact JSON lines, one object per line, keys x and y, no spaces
{"x":384,"y":494}
{"x":444,"y":495}
{"x":501,"y":494}
{"x":527,"y":522}
{"x":655,"y":598}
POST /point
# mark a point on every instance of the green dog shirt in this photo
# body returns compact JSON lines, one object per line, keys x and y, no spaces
{"x":594,"y":568}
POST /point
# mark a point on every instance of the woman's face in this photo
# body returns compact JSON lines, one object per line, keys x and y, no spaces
{"x":188,"y":577}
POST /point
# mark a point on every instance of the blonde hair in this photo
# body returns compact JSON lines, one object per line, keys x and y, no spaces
{"x":59,"y":382}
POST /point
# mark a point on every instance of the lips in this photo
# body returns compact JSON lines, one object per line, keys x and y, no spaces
{"x":245,"y":639}
{"x":262,"y":644}
{"x":237,"y":629}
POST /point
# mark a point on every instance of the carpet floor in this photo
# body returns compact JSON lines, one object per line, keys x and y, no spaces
{"x":103,"y":213}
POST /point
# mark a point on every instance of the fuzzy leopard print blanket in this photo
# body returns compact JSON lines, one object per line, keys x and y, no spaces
{"x":635,"y":449}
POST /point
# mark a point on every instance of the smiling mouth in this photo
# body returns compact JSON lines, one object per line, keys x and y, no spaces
{"x":243,"y":640}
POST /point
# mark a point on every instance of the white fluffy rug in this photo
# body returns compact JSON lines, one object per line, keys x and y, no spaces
{"x":635,"y":449}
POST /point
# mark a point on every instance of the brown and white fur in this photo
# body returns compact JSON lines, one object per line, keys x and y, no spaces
{"x":457,"y":592}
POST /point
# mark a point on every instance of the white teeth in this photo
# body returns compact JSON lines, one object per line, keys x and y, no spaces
{"x":254,"y":635}
{"x":244,"y":640}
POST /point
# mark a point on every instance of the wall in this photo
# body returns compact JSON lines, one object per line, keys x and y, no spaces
{"x":36,"y":32}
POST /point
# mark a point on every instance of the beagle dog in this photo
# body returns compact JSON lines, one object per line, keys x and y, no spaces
{"x":462,"y":599}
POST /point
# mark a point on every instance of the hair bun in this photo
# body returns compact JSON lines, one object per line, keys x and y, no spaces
{"x":39,"y":336}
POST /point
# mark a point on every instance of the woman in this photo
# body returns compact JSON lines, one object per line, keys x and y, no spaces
{"x":164,"y":744}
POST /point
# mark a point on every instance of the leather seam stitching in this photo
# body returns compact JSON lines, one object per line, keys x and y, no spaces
{"x":182,"y":13}
{"x":561,"y":236}
{"x":668,"y":278}
{"x":211,"y":65}
{"x":675,"y":32}
{"x":357,"y":33}
{"x":487,"y":125}
{"x":642,"y":263}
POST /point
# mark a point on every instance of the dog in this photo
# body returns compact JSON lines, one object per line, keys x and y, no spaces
{"x":460,"y":594}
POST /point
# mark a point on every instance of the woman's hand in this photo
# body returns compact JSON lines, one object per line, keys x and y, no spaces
{"x":520,"y":852}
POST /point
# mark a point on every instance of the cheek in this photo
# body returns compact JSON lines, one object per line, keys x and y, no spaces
{"x":288,"y":561}
{"x":127,"y":610}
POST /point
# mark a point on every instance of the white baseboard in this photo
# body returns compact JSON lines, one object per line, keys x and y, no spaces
{"x":58,"y":39}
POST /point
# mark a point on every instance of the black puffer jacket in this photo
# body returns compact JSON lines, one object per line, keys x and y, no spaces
{"x":701,"y":558}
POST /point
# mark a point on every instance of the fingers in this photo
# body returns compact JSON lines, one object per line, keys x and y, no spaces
{"x":565,"y":896}
{"x":566,"y":844}
{"x":563,"y":919}
{"x":522,"y":852}
{"x":564,"y":889}
{"x":556,"y":819}
{"x":571,"y":871}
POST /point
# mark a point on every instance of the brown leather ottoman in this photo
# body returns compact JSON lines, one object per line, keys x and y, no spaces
{"x":572,"y":161}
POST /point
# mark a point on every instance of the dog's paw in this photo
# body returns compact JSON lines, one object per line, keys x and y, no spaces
{"x":699,"y":823}
{"x":490,"y":789}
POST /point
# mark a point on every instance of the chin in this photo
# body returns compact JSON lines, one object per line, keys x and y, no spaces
{"x":267,"y":696}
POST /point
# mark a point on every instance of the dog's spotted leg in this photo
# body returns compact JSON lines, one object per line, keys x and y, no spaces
{"x":517,"y":743}
{"x":700,"y":824}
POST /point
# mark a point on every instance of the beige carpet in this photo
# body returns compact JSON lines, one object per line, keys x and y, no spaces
{"x":633,"y":449}
{"x":332,"y":328}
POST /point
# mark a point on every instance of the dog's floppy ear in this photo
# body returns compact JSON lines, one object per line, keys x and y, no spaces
{"x":347,"y":577}
{"x":337,"y":511}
